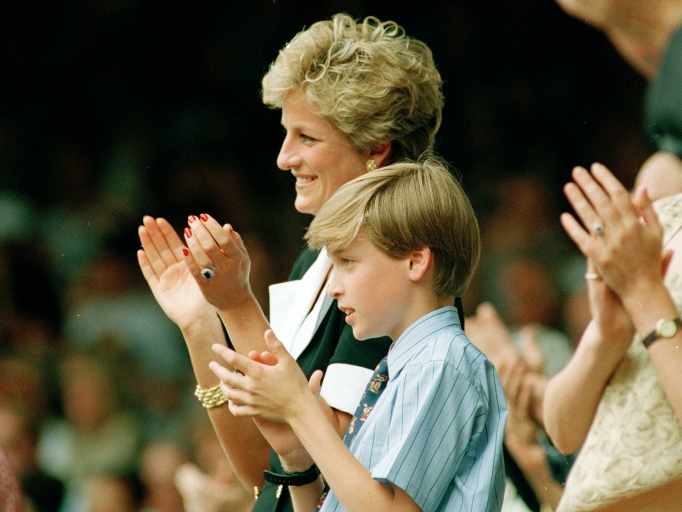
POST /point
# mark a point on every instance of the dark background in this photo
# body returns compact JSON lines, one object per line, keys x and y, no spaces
{"x":150,"y":107}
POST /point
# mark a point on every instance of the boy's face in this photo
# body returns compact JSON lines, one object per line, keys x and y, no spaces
{"x":372,"y":289}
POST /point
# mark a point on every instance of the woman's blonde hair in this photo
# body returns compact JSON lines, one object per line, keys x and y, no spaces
{"x":401,"y":208}
{"x":368,"y":79}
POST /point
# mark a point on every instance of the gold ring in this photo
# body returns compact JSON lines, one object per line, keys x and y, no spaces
{"x":592,"y":275}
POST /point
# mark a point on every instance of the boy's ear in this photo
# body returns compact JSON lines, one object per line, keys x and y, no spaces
{"x":420,"y":262}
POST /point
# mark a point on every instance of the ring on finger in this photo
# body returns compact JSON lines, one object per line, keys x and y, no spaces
{"x":592,"y":276}
{"x":598,"y":228}
{"x":208,"y":272}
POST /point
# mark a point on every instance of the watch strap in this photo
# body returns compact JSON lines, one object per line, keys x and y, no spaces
{"x":655,"y":334}
{"x":285,"y":478}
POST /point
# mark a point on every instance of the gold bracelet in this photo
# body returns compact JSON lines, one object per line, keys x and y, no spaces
{"x":211,"y":397}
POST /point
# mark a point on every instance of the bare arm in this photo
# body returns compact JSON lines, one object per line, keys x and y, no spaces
{"x":629,"y":257}
{"x":573,"y":394}
{"x":162,"y":262}
{"x":229,"y":292}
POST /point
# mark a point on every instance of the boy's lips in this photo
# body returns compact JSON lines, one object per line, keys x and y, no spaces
{"x":347,"y":311}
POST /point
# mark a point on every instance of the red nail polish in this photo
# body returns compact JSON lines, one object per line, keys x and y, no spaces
{"x":185,"y":251}
{"x":203,"y":217}
{"x":191,"y":218}
{"x":188,"y":233}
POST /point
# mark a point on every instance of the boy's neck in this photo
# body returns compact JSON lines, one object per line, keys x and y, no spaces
{"x":428,"y":304}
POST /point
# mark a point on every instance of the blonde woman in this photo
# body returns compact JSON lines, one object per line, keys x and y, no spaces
{"x":354,"y":96}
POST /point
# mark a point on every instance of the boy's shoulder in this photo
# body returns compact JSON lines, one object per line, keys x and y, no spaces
{"x":440,"y":339}
{"x":453,"y":348}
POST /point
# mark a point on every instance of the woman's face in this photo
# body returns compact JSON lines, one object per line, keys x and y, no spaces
{"x":318,"y":154}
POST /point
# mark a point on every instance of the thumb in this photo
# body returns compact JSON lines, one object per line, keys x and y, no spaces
{"x":665,"y":261}
{"x":530,"y":349}
{"x":645,"y":209}
{"x":315,"y":383}
{"x":276,"y":347}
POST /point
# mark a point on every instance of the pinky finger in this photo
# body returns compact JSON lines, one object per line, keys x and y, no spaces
{"x":577,"y":233}
{"x":147,"y":270}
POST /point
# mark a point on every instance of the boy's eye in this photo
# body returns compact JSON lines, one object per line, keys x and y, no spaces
{"x":306,"y":138}
{"x":346,"y":262}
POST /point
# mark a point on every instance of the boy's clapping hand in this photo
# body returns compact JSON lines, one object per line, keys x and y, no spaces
{"x":269,"y":385}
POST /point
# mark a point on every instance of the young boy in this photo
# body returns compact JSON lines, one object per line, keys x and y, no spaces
{"x":404,"y":242}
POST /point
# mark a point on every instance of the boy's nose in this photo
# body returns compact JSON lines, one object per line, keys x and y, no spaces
{"x":333,"y":288}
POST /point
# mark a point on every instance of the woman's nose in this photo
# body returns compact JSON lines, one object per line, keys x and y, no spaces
{"x":288,"y":157}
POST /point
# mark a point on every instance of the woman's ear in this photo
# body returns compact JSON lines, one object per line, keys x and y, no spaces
{"x":382,"y":154}
{"x":420,"y":262}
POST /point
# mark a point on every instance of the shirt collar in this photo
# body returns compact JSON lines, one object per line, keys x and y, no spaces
{"x":410,"y":341}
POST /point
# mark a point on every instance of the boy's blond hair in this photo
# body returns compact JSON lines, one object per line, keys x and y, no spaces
{"x":367,"y":78}
{"x":402,"y":208}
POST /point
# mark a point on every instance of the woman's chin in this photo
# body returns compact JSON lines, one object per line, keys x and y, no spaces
{"x":306,"y":206}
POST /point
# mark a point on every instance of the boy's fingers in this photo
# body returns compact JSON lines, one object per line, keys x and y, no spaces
{"x":268,"y":358}
{"x":223,"y":373}
{"x":276,"y":347}
{"x":315,"y":383}
{"x":530,"y":350}
{"x":238,"y":361}
{"x":160,"y":246}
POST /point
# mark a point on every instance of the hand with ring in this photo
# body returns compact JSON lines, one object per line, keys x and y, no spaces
{"x":218,"y":260}
{"x":163,"y":265}
{"x":623,"y":239}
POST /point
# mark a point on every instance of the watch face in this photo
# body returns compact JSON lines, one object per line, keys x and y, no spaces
{"x":667,"y":328}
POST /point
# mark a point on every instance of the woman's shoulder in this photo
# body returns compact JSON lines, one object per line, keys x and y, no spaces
{"x":303,"y":262}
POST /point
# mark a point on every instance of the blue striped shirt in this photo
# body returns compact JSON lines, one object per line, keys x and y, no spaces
{"x":437,"y":429}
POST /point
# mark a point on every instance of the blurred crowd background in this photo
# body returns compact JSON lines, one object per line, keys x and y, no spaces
{"x":113,"y":110}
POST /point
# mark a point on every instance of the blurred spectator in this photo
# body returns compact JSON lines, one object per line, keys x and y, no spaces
{"x":96,"y":436}
{"x":158,"y":465}
{"x":209,"y":484}
{"x":575,"y":311}
{"x":24,"y":385}
{"x":30,"y":306}
{"x":110,"y":493}
{"x":11,"y":499}
{"x":110,"y":309}
{"x":18,"y":439}
{"x":535,"y":470}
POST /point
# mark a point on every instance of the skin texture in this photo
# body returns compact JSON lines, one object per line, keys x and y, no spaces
{"x":316,"y":153}
{"x":384,"y":307}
